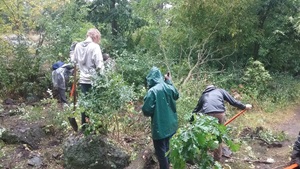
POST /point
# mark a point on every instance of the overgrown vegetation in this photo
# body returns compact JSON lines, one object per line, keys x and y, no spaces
{"x":193,"y":143}
{"x":109,"y":96}
{"x":249,"y":48}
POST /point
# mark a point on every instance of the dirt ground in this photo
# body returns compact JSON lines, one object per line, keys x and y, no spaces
{"x":253,"y":154}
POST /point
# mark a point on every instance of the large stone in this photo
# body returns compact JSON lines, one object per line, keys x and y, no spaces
{"x":30,"y":135}
{"x":93,"y":152}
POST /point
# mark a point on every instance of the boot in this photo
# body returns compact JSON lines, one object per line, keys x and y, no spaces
{"x":73,"y":123}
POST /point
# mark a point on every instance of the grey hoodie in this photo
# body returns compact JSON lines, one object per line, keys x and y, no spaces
{"x":212,"y":100}
{"x":88,"y":57}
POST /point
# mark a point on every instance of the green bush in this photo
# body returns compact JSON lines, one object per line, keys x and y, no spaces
{"x":193,"y":142}
{"x":108,"y":95}
{"x":255,"y":78}
{"x":134,"y":68}
{"x":22,"y":75}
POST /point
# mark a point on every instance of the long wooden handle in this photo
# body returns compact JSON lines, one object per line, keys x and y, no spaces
{"x":74,"y":89}
{"x":292,"y":166}
{"x":234,"y":117}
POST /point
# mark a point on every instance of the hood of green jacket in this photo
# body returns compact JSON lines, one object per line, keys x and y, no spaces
{"x":154,"y":77}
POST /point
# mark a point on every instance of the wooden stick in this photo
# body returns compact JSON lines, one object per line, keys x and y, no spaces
{"x":72,"y":120}
{"x":292,"y":166}
{"x":73,"y":90}
{"x":234,"y":117}
{"x":259,"y":161}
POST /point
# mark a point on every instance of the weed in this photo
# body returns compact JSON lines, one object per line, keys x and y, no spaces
{"x":271,"y":137}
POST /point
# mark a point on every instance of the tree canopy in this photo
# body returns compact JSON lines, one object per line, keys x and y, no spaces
{"x":187,"y":37}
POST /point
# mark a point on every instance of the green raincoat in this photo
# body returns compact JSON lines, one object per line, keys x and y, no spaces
{"x":160,"y":105}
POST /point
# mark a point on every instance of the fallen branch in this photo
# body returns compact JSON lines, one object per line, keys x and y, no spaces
{"x":259,"y":161}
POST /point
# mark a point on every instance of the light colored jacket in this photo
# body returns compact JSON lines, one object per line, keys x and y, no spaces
{"x":88,"y":57}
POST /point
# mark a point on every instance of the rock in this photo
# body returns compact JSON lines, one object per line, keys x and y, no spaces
{"x":8,"y":101}
{"x":9,"y":137}
{"x":270,"y":160}
{"x":30,"y":135}
{"x":93,"y":152}
{"x":35,"y":161}
{"x":226,"y":152}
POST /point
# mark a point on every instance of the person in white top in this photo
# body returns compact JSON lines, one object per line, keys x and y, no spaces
{"x":88,"y":58}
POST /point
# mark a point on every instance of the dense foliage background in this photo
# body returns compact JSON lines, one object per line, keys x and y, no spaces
{"x":240,"y":45}
{"x":248,"y":47}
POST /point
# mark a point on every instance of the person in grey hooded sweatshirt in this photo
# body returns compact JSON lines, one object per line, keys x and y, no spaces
{"x":212,"y":103}
{"x":88,"y":57}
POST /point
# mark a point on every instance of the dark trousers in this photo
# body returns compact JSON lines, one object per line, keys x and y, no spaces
{"x":161,"y":148}
{"x":85,"y":88}
{"x":295,"y":158}
{"x":62,"y":95}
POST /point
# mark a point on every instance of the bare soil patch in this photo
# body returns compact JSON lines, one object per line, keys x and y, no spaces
{"x":255,"y":153}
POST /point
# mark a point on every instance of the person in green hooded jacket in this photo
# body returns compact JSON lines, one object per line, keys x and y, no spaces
{"x":160,"y":105}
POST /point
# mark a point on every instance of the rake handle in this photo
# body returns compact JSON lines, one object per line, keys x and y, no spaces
{"x":73,"y":90}
{"x":291,"y":166}
{"x":235,"y":116}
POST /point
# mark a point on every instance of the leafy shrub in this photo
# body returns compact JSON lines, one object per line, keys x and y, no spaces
{"x":108,"y":95}
{"x":134,"y":68}
{"x":192,"y":143}
{"x":271,"y":137}
{"x":255,"y":78}
{"x":21,"y":74}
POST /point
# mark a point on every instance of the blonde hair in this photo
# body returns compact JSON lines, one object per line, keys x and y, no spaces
{"x":93,"y":33}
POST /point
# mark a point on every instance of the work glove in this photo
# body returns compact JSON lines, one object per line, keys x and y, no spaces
{"x":248,"y":106}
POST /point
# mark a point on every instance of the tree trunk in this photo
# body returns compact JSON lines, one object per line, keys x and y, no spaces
{"x":114,"y":23}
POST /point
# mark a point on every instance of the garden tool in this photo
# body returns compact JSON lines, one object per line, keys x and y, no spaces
{"x":292,"y":166}
{"x":235,"y":116}
{"x":73,"y":123}
{"x":72,"y":120}
{"x":226,"y":152}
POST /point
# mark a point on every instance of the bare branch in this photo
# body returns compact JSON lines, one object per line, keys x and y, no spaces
{"x":204,"y":55}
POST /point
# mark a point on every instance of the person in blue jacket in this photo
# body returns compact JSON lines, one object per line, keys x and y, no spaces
{"x":212,"y":103}
{"x":160,"y":105}
{"x":61,"y":73}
